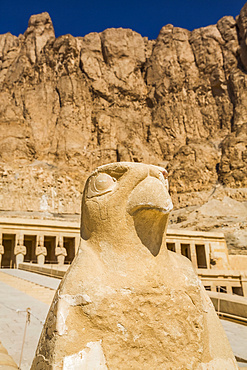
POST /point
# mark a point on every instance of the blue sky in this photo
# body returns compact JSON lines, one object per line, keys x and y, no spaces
{"x":80,"y":17}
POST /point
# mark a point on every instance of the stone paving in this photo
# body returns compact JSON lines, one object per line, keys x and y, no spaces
{"x":13,"y":304}
{"x":41,"y":293}
{"x":39,"y":279}
{"x":237,"y":336}
{"x":17,"y":294}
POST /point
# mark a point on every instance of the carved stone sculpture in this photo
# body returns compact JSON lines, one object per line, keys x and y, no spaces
{"x":1,"y":248}
{"x":20,"y":250}
{"x":1,"y":253}
{"x":41,"y":250}
{"x":127,"y":302}
{"x":60,"y":251}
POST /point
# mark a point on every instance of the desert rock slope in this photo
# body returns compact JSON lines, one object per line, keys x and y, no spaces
{"x":70,"y":104}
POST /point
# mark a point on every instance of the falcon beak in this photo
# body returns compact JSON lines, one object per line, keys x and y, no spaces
{"x":149,"y":204}
{"x":151,"y":193}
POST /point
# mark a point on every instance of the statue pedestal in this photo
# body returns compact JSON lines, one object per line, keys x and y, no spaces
{"x":19,"y":259}
{"x":41,"y":252}
{"x":41,"y":259}
{"x":60,"y":259}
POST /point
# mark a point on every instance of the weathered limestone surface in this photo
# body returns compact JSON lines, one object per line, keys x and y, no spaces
{"x":127,"y":302}
{"x":69,"y":104}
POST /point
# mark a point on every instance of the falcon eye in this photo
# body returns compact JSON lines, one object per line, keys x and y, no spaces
{"x":100,"y":184}
{"x":165,"y":174}
{"x":103,"y":182}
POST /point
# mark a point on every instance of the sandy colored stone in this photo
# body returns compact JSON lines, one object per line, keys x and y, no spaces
{"x":126,"y":301}
{"x":6,"y":361}
{"x":70,"y":104}
{"x":36,"y":291}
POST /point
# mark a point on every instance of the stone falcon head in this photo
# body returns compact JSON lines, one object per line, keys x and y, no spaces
{"x":127,"y":302}
{"x":129,"y":202}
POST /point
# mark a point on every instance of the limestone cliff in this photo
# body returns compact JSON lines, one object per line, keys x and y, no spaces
{"x":69,"y":104}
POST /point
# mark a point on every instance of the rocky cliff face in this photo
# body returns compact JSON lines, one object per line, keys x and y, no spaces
{"x":69,"y":104}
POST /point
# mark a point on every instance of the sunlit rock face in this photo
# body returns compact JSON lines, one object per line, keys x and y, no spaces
{"x":70,"y":104}
{"x":127,"y":302}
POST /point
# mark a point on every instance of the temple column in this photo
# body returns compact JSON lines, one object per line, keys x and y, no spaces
{"x":211,"y":258}
{"x":77,"y":243}
{"x":193,"y":254}
{"x":60,"y":251}
{"x":243,"y":280}
{"x":1,"y":248}
{"x":20,"y":250}
{"x":178,"y":247}
{"x":40,"y":250}
{"x":207,"y":253}
{"x":228,"y":288}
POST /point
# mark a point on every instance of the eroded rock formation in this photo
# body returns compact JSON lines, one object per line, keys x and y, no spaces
{"x":69,"y":104}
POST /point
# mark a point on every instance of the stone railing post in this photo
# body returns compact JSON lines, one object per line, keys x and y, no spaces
{"x":60,"y":251}
{"x":20,"y":250}
{"x":40,"y":250}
